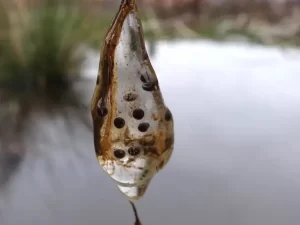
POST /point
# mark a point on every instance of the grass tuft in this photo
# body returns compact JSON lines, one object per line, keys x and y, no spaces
{"x":41,"y":56}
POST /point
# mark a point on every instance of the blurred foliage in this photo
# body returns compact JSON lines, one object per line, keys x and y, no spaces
{"x":39,"y":51}
{"x":41,"y":57}
{"x":263,"y":22}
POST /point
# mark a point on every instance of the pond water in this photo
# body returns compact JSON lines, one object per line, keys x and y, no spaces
{"x":236,"y":161}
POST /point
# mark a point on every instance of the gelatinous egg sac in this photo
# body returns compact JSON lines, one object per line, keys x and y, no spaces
{"x":133,"y":128}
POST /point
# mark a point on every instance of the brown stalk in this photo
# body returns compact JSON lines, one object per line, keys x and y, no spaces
{"x":137,"y":219}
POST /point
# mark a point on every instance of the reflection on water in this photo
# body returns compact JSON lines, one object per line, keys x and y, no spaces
{"x":236,"y":158}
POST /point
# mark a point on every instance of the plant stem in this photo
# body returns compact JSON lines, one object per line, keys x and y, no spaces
{"x":137,"y":220}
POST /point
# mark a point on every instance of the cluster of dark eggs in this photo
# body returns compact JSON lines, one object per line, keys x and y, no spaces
{"x":137,"y":114}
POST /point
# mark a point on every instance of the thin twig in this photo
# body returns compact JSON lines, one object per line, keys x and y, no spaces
{"x":137,"y":219}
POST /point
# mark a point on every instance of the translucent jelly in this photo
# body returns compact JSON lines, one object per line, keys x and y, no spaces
{"x":133,"y":128}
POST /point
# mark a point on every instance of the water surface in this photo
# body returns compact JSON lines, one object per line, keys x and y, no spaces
{"x":236,"y":161}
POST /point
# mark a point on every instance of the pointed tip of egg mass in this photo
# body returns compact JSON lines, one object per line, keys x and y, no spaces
{"x":125,"y":36}
{"x":133,"y":193}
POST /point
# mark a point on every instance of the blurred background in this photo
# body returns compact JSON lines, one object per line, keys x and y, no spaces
{"x":236,"y":66}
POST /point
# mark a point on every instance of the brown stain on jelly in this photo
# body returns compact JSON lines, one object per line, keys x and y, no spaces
{"x":151,"y":150}
{"x":130,"y":97}
{"x":155,"y":116}
{"x":148,"y":140}
{"x":106,"y":89}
